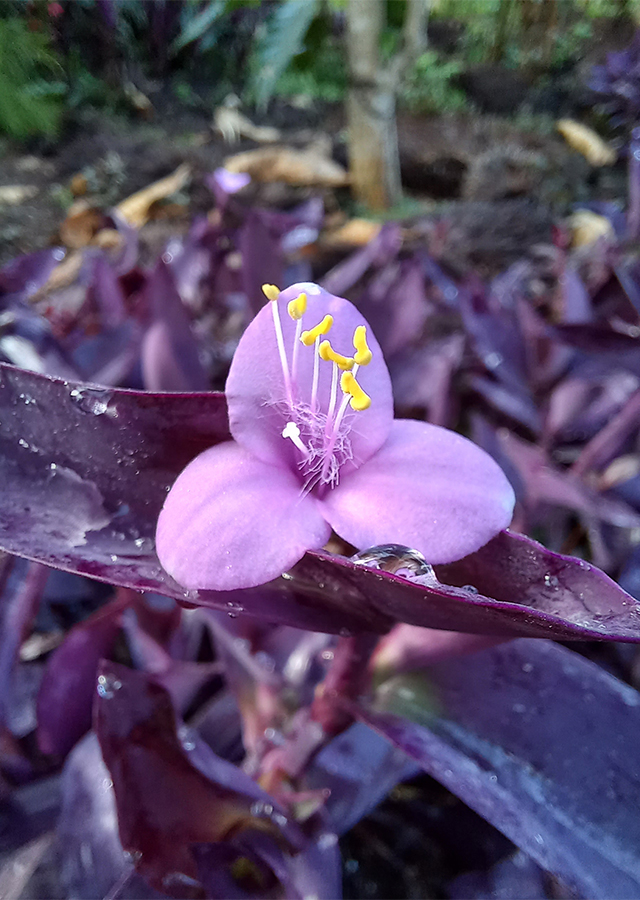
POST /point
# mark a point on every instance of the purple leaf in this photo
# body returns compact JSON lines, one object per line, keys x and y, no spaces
{"x":628,"y":280}
{"x":576,"y":303}
{"x":512,"y":565}
{"x":633,"y":212}
{"x":515,"y":878}
{"x":129,"y":234}
{"x":542,"y":743}
{"x":262,"y":260}
{"x":413,"y":647}
{"x":395,"y":305}
{"x":83,"y":465}
{"x":109,"y":357}
{"x":172,"y":793}
{"x":497,"y":338}
{"x":448,"y":291}
{"x":66,"y":693}
{"x":359,"y":768}
{"x":170,"y":360}
{"x":106,"y":294}
{"x":20,"y":601}
{"x":508,"y":399}
{"x":24,"y":275}
{"x":378,"y":252}
{"x":92,"y":860}
{"x":115,"y":454}
{"x":612,"y":349}
{"x":606,"y":445}
{"x":17,"y":868}
{"x":422,"y":378}
{"x":544,"y":483}
{"x":192,"y":262}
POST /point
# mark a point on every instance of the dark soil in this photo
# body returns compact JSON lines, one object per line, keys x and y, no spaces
{"x":476,"y":158}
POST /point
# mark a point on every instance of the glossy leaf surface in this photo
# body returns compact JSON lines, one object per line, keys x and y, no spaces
{"x":86,"y":472}
{"x":542,"y":743}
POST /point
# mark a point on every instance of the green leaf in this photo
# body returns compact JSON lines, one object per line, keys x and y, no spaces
{"x":29,"y":103}
{"x":198,"y":25}
{"x":284,"y":39}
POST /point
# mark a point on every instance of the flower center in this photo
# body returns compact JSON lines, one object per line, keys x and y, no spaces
{"x":319,"y":435}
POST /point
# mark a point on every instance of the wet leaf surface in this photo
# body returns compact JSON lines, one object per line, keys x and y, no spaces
{"x":542,"y":743}
{"x":88,"y":468}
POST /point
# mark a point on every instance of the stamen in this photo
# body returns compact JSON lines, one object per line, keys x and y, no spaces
{"x":292,"y":432}
{"x":359,"y":399}
{"x":332,"y":428}
{"x":363,"y":355}
{"x":327,"y":353}
{"x":296,"y":347}
{"x":298,"y":307}
{"x":310,"y":337}
{"x":272,"y":293}
{"x":316,"y":370}
{"x":296,"y":310}
{"x":334,"y":396}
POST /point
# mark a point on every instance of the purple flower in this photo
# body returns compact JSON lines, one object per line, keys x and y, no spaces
{"x":231,"y":182}
{"x":316,"y":448}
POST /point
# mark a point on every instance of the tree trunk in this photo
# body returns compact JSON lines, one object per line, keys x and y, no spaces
{"x":371,"y":101}
{"x":371,"y":107}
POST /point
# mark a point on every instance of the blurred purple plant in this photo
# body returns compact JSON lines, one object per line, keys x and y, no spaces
{"x":617,"y":84}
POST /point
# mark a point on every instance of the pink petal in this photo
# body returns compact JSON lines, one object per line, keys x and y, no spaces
{"x":231,"y":521}
{"x":255,"y":388}
{"x":427,"y":488}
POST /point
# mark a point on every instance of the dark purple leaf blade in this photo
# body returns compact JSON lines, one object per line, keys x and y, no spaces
{"x":20,"y":600}
{"x":542,"y":743}
{"x":360,"y":769}
{"x":24,"y":275}
{"x":91,"y":858}
{"x":170,"y":792}
{"x":66,"y":692}
{"x":85,"y":471}
{"x":378,"y":252}
{"x":513,"y":568}
{"x":262,"y":257}
{"x":170,"y":360}
{"x":515,"y":878}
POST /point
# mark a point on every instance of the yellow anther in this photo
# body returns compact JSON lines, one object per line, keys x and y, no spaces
{"x":326,"y":352}
{"x":298,"y":307}
{"x":359,"y":400}
{"x":270,"y":291}
{"x":363,"y":355}
{"x":308,"y":337}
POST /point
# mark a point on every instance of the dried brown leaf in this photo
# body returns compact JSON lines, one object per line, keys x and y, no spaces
{"x":300,"y":167}
{"x":135,"y":209}
{"x":587,"y":142}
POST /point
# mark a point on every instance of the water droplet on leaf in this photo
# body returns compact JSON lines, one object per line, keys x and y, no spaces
{"x":93,"y":401}
{"x":107,"y":686}
{"x":397,"y":559}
